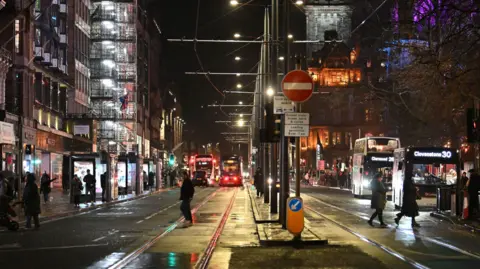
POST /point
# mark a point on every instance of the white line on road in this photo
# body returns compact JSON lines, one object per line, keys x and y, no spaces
{"x":98,"y":239}
{"x":54,"y":248}
{"x":140,"y":221}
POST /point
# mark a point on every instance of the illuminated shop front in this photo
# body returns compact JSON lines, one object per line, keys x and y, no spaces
{"x":49,"y":155}
{"x":7,"y":146}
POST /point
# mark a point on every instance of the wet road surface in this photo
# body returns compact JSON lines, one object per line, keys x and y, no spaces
{"x":437,"y":244}
{"x":96,"y":238}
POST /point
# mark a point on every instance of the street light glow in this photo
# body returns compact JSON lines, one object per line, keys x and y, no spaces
{"x":233,"y":3}
{"x":270,"y":91}
{"x":236,"y":35}
{"x":299,"y":2}
{"x":237,"y":58}
{"x":239,"y":86}
{"x":241,"y":115}
{"x":290,"y":36}
{"x":238,"y":74}
{"x":241,"y":123}
{"x":281,"y":58}
{"x":240,"y":103}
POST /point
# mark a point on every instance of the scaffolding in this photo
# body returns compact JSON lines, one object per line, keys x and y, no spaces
{"x":113,"y":61}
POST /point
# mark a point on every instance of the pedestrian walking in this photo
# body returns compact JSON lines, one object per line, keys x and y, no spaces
{"x":45,"y":187}
{"x":31,"y":202}
{"x":172,"y":176}
{"x":186,"y":195}
{"x":77,"y":188}
{"x":103,"y":184}
{"x":90,"y":181}
{"x":258,"y":181}
{"x":379,"y":200}
{"x":473,"y":186}
{"x":409,"y":205}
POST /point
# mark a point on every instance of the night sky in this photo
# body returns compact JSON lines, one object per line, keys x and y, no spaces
{"x":217,"y":20}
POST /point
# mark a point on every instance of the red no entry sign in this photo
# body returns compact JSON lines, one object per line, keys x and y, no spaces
{"x":297,"y":86}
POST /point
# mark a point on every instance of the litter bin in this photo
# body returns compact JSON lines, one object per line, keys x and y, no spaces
{"x":444,"y":198}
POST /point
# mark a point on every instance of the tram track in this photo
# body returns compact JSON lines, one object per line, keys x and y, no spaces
{"x":381,"y":246}
{"x":206,"y":255}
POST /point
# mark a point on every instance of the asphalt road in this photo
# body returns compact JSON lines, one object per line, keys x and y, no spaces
{"x":95,"y":239}
{"x":437,"y":244}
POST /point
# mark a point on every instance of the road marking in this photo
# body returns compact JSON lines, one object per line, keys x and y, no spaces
{"x":140,"y":221}
{"x":8,"y":246}
{"x":98,"y":239}
{"x":54,"y":248}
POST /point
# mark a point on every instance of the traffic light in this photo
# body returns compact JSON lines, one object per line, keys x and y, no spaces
{"x":273,"y":125}
{"x":473,"y":127}
{"x":171,"y":159}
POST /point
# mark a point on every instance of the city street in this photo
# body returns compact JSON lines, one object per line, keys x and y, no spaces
{"x":84,"y":240}
{"x":436,"y":244}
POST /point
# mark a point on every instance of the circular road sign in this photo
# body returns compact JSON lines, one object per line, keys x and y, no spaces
{"x":297,"y":86}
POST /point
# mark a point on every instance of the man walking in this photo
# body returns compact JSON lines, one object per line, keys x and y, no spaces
{"x":186,"y":195}
{"x":90,"y":181}
{"x":103,"y":184}
{"x":379,"y":199}
{"x":258,"y":181}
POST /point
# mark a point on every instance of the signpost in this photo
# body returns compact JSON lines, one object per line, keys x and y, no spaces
{"x":297,"y":86}
{"x":282,"y":105}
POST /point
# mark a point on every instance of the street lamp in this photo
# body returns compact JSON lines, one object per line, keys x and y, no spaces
{"x":298,"y":2}
{"x":233,"y":3}
{"x":290,"y":36}
{"x":281,"y":58}
{"x":238,"y":74}
{"x":236,"y":35}
{"x":240,"y":123}
{"x":239,"y":86}
{"x":240,"y":103}
{"x":241,"y":115}
{"x":270,"y":91}
{"x":237,"y":58}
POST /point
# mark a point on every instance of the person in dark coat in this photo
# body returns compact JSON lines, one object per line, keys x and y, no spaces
{"x":90,"y":182}
{"x":31,"y":202}
{"x":379,"y":199}
{"x":45,"y":188}
{"x":409,"y":205}
{"x":103,"y":184}
{"x":258,"y":182}
{"x":186,"y":195}
{"x":473,"y":186}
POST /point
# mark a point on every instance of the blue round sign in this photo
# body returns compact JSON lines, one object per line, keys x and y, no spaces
{"x":295,"y":205}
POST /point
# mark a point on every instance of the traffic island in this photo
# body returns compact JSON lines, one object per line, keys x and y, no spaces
{"x":270,"y":231}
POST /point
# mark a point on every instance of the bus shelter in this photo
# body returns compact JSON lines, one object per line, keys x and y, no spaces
{"x":430,"y":168}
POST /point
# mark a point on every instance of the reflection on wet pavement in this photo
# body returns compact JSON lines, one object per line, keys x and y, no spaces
{"x":164,"y":260}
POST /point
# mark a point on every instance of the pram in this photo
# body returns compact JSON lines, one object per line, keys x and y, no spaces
{"x":6,"y":212}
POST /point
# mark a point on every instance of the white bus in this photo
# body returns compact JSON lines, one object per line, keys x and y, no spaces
{"x":372,"y":155}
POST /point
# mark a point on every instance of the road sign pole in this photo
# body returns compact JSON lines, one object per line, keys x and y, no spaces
{"x":297,"y":159}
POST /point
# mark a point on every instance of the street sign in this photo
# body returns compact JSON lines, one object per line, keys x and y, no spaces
{"x":295,"y":215}
{"x":282,"y":105}
{"x":297,"y":86}
{"x":297,"y":118}
{"x":296,"y":130}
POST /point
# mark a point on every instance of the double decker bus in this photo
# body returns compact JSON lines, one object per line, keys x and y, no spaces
{"x":231,"y":171}
{"x":372,"y":155}
{"x":205,"y":163}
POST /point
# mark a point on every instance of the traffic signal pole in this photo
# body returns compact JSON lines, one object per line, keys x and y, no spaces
{"x":284,"y":178}
{"x":266,"y":59}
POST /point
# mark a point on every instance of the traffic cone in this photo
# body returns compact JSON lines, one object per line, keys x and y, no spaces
{"x":465,"y":205}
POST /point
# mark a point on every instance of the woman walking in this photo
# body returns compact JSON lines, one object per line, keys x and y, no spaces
{"x":379,"y":199}
{"x":77,"y":188}
{"x":409,"y":205}
{"x":31,"y":202}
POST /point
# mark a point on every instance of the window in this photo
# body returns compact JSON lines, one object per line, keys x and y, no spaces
{"x":336,"y":138}
{"x":38,"y":87}
{"x":38,"y":37}
{"x":348,"y":137}
{"x":18,"y":37}
{"x":38,"y":5}
{"x":368,"y":115}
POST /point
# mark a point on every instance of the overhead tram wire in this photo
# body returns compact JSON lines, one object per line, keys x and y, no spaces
{"x":196,"y":52}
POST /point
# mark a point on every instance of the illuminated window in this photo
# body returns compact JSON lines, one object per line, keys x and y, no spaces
{"x":336,"y":138}
{"x":18,"y":37}
{"x":353,"y":57}
{"x":326,"y":140}
{"x":368,"y":115}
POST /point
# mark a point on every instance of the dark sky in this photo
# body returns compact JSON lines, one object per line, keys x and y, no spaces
{"x":177,"y":19}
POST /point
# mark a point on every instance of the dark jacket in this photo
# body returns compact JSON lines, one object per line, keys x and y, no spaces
{"x":258,"y":181}
{"x":31,"y":197}
{"x":103,"y":180}
{"x":45,"y":183}
{"x":409,"y":206}
{"x":474,"y":185}
{"x":90,"y":181}
{"x":379,"y":195}
{"x":187,"y":190}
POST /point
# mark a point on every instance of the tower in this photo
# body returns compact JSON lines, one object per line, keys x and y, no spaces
{"x":327,"y":15}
